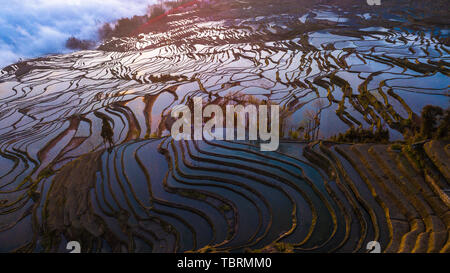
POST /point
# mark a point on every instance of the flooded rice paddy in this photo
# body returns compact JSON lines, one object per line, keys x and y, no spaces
{"x":327,"y":71}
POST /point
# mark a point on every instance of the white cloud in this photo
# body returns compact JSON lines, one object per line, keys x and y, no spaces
{"x":7,"y":55}
{"x":29,"y":28}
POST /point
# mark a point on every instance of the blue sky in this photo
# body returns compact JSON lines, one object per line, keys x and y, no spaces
{"x":31,"y":28}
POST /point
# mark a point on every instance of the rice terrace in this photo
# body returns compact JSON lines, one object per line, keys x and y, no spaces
{"x":362,"y":97}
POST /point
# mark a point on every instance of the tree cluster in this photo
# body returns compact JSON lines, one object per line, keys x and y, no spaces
{"x":360,"y":135}
{"x":77,"y":44}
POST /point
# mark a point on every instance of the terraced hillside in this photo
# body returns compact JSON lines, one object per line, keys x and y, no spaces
{"x":328,"y":68}
{"x":164,"y":196}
